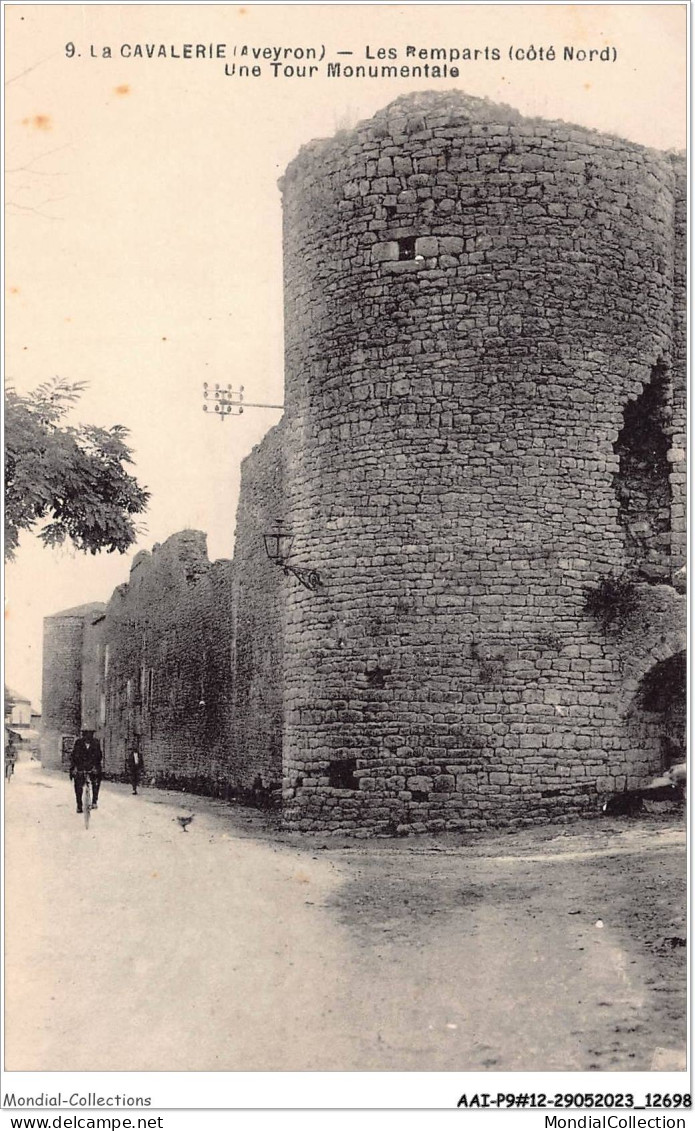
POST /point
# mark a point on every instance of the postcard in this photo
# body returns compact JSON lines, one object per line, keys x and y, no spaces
{"x":345,"y":635}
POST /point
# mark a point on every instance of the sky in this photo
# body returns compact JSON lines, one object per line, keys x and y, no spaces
{"x":143,"y":231}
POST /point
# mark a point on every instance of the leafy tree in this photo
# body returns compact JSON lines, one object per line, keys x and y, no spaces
{"x":72,"y":477}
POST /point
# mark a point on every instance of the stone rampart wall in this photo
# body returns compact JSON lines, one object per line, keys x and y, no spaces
{"x":259,"y":592}
{"x":166,"y":667}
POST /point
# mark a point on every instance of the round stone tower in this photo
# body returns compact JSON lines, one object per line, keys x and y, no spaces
{"x":473,"y":300}
{"x":62,"y":683}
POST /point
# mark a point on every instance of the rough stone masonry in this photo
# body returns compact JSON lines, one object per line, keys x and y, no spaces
{"x":483,"y":456}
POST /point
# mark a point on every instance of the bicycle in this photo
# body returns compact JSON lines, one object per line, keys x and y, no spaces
{"x":87,"y":800}
{"x":87,"y":796}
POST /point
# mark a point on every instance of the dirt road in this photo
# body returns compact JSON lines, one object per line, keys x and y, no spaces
{"x":138,"y":946}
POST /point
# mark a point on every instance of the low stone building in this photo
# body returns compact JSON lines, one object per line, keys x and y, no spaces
{"x":18,"y":709}
{"x":482,"y":457}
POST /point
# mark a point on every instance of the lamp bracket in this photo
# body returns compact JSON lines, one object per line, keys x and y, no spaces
{"x":309,"y":578}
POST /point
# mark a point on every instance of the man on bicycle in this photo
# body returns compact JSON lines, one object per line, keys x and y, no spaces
{"x":85,"y":762}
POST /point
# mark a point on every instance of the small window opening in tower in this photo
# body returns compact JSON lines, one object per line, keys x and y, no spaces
{"x":342,"y":774}
{"x":406,"y":247}
{"x":376,"y":678}
{"x":642,"y":484}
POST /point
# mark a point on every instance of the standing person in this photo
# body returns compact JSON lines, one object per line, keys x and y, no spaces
{"x":10,"y":753}
{"x":134,"y":765}
{"x":86,"y":762}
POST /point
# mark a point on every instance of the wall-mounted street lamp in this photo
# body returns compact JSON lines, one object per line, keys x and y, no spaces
{"x":228,"y":401}
{"x":278,"y":547}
